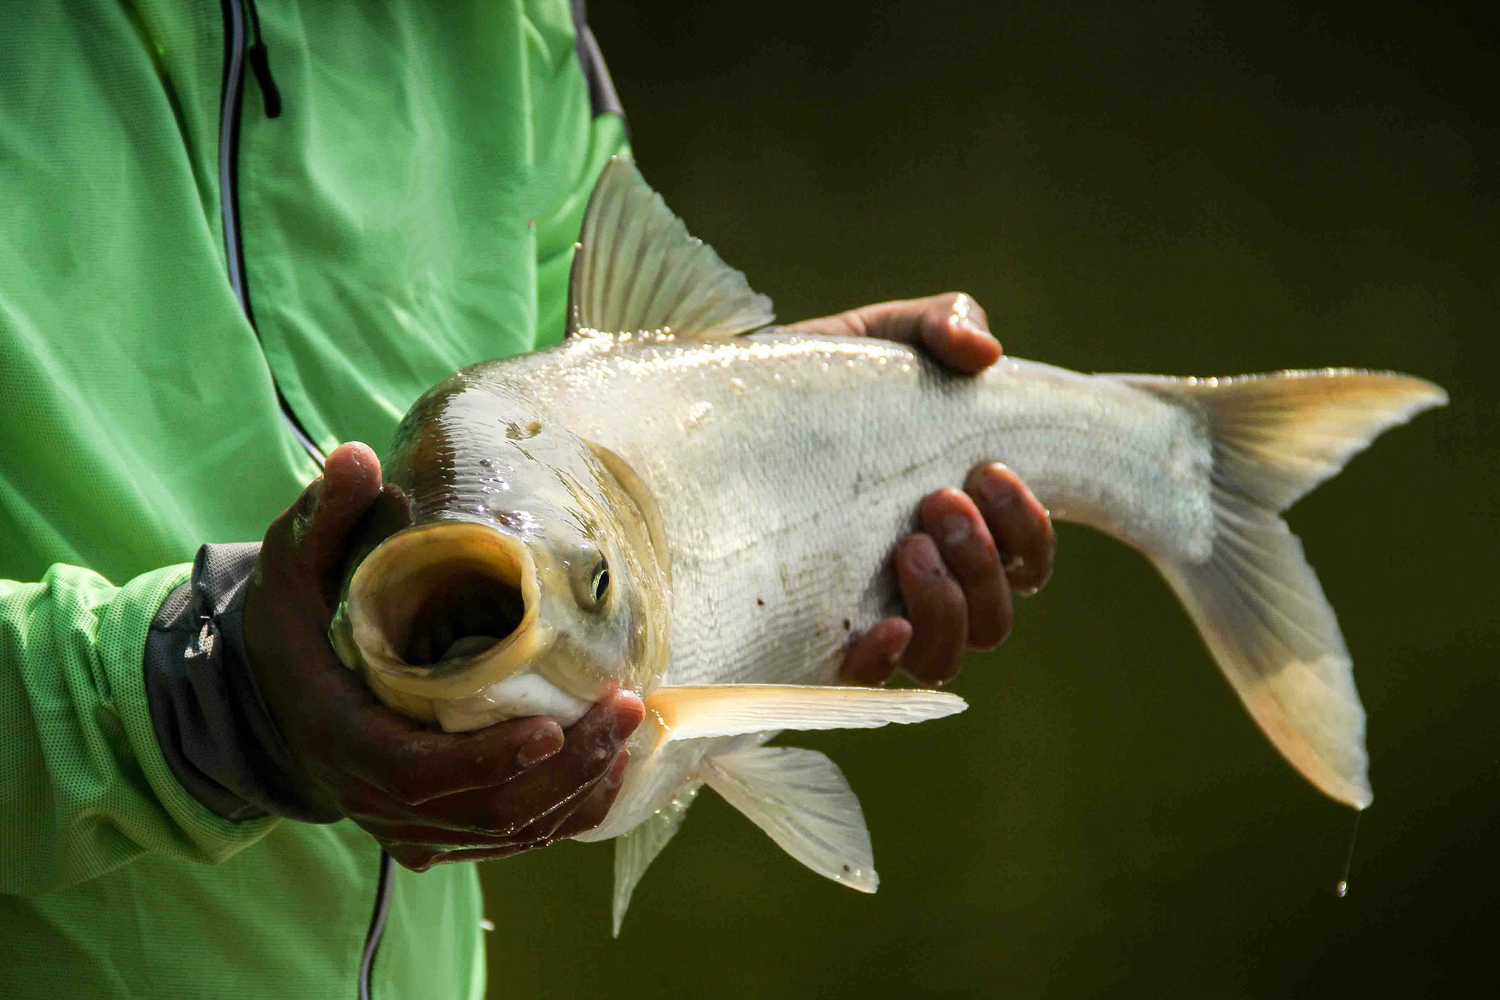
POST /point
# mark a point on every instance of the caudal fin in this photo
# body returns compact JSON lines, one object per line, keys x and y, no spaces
{"x":1255,"y":600}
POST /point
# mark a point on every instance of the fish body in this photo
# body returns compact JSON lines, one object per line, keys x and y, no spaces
{"x":785,"y":467}
{"x":741,"y":495}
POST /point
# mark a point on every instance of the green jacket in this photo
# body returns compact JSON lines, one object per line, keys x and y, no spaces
{"x":410,"y":210}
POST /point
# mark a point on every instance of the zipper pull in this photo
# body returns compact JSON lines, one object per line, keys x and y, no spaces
{"x":260,"y":64}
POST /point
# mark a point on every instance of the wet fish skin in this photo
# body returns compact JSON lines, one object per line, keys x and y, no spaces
{"x":808,"y":451}
{"x":746,"y":491}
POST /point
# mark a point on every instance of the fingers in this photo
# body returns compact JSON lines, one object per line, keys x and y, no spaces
{"x":938,"y":611}
{"x":957,"y":577}
{"x":589,"y":810}
{"x":874,"y":656}
{"x":312,"y":537}
{"x":1021,"y":526}
{"x":589,"y":751}
{"x":388,"y":513}
{"x":968,"y":551}
{"x":952,"y":327}
{"x":415,"y":765}
{"x":350,"y":483}
{"x":419,"y":847}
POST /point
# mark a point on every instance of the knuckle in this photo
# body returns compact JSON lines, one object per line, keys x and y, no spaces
{"x":853,"y":322}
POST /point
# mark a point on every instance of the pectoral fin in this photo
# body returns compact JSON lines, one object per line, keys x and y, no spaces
{"x":800,"y":798}
{"x":689,"y":713}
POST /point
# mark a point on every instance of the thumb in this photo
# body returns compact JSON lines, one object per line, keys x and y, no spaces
{"x":330,"y":508}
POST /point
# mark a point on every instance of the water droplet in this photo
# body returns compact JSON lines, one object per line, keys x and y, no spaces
{"x":1342,"y":888}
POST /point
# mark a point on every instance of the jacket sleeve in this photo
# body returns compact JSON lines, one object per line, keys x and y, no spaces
{"x":128,"y":724}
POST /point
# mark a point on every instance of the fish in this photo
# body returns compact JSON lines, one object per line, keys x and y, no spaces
{"x":692,"y":504}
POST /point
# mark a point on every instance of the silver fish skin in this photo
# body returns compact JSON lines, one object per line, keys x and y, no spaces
{"x":786,"y":466}
{"x":748,"y":488}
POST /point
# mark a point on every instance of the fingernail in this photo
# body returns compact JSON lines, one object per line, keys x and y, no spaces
{"x":997,"y":492}
{"x":894,"y":657}
{"x":956,"y":528}
{"x":622,"y":725}
{"x":1013,"y":563}
{"x":962,"y":324}
{"x":543,"y":744}
{"x":924,"y":558}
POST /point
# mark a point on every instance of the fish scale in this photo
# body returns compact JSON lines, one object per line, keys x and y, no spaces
{"x":863,"y":440}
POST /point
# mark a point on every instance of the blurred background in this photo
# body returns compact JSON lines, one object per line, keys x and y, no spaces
{"x":1189,"y":189}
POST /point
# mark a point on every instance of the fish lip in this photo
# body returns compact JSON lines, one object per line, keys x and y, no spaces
{"x":482,"y":547}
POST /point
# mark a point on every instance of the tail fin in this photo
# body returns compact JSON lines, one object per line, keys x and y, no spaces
{"x":1255,"y":600}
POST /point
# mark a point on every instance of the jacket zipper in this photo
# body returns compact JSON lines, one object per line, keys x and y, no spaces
{"x":236,"y":51}
{"x":236,"y":54}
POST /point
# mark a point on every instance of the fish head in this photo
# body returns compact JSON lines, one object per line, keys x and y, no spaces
{"x":533,"y":578}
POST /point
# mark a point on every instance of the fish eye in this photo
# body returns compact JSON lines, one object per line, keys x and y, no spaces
{"x":599,"y":582}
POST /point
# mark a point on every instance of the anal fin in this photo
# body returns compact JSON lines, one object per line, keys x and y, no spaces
{"x":802,"y":801}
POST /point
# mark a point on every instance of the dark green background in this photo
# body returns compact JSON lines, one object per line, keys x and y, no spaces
{"x":1201,"y":189}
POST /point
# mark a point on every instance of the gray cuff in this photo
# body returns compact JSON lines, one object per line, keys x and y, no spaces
{"x":213,"y":726}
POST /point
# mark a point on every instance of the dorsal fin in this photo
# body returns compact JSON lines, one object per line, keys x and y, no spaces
{"x":637,"y":270}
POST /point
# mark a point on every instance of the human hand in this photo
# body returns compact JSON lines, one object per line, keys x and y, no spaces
{"x":955,"y":582}
{"x":427,"y":796}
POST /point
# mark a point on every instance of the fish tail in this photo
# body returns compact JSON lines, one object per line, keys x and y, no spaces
{"x":1254,"y":599}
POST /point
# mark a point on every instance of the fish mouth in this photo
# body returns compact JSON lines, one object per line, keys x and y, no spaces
{"x":442,"y":610}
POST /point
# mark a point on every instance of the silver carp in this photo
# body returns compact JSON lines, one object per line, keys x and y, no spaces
{"x":705,"y":515}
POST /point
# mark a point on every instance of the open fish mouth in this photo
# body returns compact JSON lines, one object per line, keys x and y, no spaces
{"x":433,"y":604}
{"x":464,"y":612}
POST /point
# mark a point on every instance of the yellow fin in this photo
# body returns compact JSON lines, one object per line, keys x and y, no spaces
{"x":1256,"y":602}
{"x":690,"y":713}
